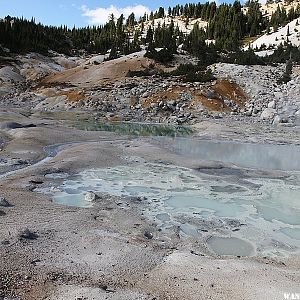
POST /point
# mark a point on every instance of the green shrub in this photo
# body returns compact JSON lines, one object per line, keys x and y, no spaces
{"x":193,"y":73}
{"x":283,"y":53}
{"x":163,"y":56}
{"x":244,"y":58}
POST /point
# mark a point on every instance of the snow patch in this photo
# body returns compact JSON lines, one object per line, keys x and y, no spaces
{"x":289,"y":33}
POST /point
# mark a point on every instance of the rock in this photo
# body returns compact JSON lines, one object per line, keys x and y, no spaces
{"x":277,"y":120}
{"x":256,"y":110}
{"x":148,"y":235}
{"x":272,"y":104}
{"x":52,"y":103}
{"x":268,"y":113}
{"x":210,"y":94}
{"x":10,"y":74}
{"x":28,"y":235}
{"x":90,"y":196}
{"x":248,"y":113}
{"x":171,"y":103}
{"x":14,"y":125}
{"x":278,"y":95}
{"x":4,"y":202}
{"x":284,"y":120}
{"x":138,"y":199}
{"x":2,"y":213}
{"x":154,"y":105}
{"x":133,"y":100}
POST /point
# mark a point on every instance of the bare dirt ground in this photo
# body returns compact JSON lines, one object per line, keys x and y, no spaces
{"x":107,"y":72}
{"x":103,"y":252}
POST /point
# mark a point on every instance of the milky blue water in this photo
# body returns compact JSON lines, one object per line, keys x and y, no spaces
{"x":270,"y":212}
{"x":232,"y":215}
{"x":250,"y":155}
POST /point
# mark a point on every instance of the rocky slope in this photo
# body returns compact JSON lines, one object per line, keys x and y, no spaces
{"x":249,"y":93}
{"x":269,"y":101}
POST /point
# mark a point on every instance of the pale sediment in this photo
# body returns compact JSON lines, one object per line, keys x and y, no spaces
{"x":114,"y":249}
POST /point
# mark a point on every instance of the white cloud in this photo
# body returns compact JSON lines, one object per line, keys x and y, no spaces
{"x":101,"y":15}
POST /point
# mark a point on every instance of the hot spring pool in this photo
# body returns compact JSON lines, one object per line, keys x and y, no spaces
{"x":269,"y":208}
{"x":232,"y":213}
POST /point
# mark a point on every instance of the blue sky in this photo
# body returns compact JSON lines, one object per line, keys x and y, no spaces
{"x":77,"y":12}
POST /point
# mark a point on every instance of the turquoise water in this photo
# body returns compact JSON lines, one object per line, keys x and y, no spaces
{"x":135,"y":129}
{"x":270,"y":213}
{"x":234,"y":211}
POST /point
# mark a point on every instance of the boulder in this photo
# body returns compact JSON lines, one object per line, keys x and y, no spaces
{"x":268,"y":113}
{"x":10,"y":74}
{"x":272,"y":104}
{"x":277,"y":120}
{"x":90,"y":197}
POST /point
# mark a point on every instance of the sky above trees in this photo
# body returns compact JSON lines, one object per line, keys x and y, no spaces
{"x":79,"y":12}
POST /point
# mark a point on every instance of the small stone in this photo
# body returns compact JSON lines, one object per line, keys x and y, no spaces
{"x":28,"y":235}
{"x":148,"y":235}
{"x":272,"y":104}
{"x":4,"y":202}
{"x":277,"y":120}
{"x":90,"y":196}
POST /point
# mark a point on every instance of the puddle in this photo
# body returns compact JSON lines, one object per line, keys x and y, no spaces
{"x":57,"y":175}
{"x":135,"y":129}
{"x":72,"y":200}
{"x":270,"y":210}
{"x":259,"y":156}
{"x":230,"y":246}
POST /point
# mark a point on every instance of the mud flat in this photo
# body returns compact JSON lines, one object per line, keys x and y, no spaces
{"x":165,"y":223}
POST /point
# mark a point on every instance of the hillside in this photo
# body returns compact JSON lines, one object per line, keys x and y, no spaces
{"x":270,"y":8}
{"x":289,"y":33}
{"x":225,"y":25}
{"x":184,"y":25}
{"x":139,"y":74}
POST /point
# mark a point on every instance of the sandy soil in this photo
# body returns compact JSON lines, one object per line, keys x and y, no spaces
{"x":102,"y":252}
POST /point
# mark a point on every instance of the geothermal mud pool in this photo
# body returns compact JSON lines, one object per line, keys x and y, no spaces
{"x":233,"y":212}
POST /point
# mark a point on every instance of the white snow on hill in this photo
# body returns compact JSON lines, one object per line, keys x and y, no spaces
{"x":178,"y":21}
{"x":268,"y":9}
{"x":289,"y":33}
